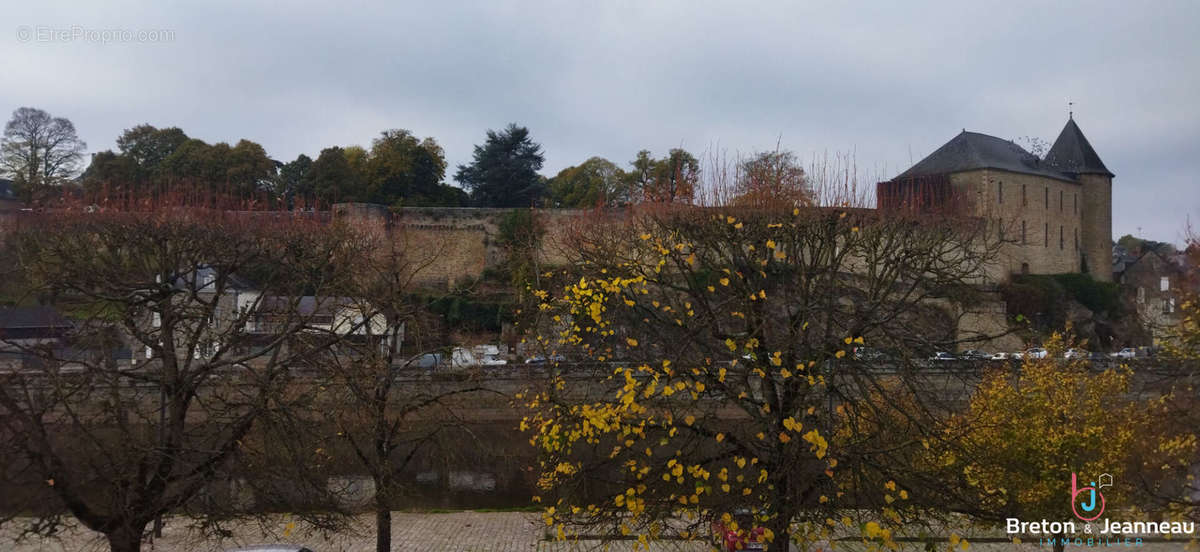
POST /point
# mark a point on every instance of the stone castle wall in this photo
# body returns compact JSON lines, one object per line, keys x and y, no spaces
{"x":1040,"y":218}
{"x":460,"y":243}
{"x":1096,"y":233}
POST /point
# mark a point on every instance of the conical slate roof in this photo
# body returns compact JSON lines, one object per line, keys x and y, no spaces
{"x":973,"y":150}
{"x":1072,"y":153}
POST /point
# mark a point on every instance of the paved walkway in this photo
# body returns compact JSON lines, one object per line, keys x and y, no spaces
{"x":419,"y":532}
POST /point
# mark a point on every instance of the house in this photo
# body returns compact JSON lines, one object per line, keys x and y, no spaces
{"x":27,"y":326}
{"x":1158,"y":281}
{"x":1052,"y":214}
{"x":338,"y":315}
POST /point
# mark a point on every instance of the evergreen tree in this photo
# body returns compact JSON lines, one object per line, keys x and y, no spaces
{"x":504,"y":170}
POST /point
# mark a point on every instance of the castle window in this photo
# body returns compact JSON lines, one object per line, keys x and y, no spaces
{"x":1077,"y":239}
{"x":1024,"y":200}
{"x":1075,"y":209}
{"x":1047,"y":198}
{"x":1000,"y":191}
{"x":1022,"y":232}
{"x":1046,"y":235}
{"x":1060,"y":201}
{"x":1164,"y":284}
{"x":1060,"y":237}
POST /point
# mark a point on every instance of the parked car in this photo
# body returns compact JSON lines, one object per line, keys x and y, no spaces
{"x":427,"y":361}
{"x":1096,"y":355}
{"x":1073,"y":354}
{"x":974,"y":354}
{"x":867,"y":353}
{"x":1001,"y":356}
{"x":462,"y":357}
{"x":943,"y":355}
{"x":1036,"y":352}
{"x":1126,"y":353}
{"x":539,"y":359}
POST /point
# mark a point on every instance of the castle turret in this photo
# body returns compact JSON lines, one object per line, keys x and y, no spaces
{"x":1073,"y":155}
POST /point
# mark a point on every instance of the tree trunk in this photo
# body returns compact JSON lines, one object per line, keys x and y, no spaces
{"x":126,"y":538}
{"x":383,"y":513}
{"x":383,"y":528}
{"x":783,"y":539}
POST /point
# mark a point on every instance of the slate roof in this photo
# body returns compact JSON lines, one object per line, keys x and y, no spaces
{"x":1070,"y":156}
{"x":22,"y":318}
{"x":1071,"y":152}
{"x":974,"y":150}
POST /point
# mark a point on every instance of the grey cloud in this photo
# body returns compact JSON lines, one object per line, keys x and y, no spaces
{"x":889,"y":81}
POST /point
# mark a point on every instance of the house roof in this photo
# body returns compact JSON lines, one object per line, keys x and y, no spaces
{"x":307,"y":305}
{"x":23,"y":318}
{"x":1071,"y":153}
{"x":974,"y":150}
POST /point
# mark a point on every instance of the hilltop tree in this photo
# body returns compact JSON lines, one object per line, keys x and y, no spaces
{"x":39,"y":151}
{"x":332,"y":178}
{"x":402,"y":168}
{"x":248,"y":169}
{"x":118,"y":441}
{"x":595,"y":182}
{"x":148,"y":146}
{"x":138,"y":166}
{"x":293,"y":179}
{"x":503,"y":172}
{"x":772,"y":178}
{"x":671,"y":179}
{"x":731,"y":333}
{"x":110,"y":171}
{"x":154,"y":161}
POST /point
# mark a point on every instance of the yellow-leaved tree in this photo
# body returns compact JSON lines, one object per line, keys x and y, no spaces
{"x":723,"y":344}
{"x":1027,"y":431}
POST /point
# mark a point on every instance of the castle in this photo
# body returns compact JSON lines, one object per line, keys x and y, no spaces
{"x":1054,"y":214}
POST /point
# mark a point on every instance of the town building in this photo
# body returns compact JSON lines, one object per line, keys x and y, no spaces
{"x":1053,"y":213}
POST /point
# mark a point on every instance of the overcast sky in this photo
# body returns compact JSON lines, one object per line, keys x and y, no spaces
{"x":888,"y":82}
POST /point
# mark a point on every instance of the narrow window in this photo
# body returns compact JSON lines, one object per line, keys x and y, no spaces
{"x":1023,"y":233}
{"x":1164,"y":284}
{"x":1075,"y":209}
{"x":1060,"y":201}
{"x":1000,"y":228}
{"x":1000,"y":191}
{"x":1077,"y":239}
{"x":1046,"y":235}
{"x":1024,"y":200}
{"x":1060,"y":237}
{"x":1047,"y":198}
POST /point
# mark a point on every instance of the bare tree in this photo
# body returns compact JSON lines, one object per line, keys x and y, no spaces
{"x":187,"y":324}
{"x":384,"y":424}
{"x":39,"y":151}
{"x":772,"y":178}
